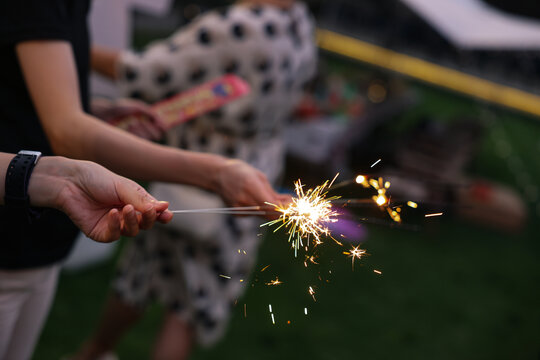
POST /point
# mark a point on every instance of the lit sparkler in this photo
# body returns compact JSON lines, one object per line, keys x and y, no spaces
{"x":381,"y":199}
{"x":307,"y":215}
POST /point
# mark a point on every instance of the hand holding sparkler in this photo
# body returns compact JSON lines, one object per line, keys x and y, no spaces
{"x":241,"y":185}
{"x":102,"y":204}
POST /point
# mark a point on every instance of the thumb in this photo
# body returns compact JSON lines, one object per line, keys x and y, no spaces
{"x":132,"y":193}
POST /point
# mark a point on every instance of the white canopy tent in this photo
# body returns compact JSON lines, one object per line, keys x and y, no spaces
{"x":474,"y":25}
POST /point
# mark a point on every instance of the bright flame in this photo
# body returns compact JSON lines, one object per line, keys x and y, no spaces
{"x":380,"y":200}
{"x":307,"y":215}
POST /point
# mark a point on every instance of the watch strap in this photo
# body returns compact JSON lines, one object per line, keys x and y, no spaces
{"x":18,"y":178}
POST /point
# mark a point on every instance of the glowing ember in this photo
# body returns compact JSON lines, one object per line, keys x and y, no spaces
{"x":312,"y":293}
{"x":376,"y":162}
{"x":355,"y":253}
{"x":360,"y":179}
{"x":274,"y":282}
{"x":264,"y":268}
{"x":412,"y":204}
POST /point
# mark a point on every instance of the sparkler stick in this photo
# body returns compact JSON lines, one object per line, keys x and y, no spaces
{"x":239,"y":210}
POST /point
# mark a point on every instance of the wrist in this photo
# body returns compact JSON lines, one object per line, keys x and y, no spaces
{"x":51,"y":175}
{"x":218,"y":173}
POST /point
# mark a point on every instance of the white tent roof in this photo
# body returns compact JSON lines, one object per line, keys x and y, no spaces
{"x":472,"y":24}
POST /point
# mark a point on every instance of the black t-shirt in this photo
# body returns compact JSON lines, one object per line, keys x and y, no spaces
{"x":44,"y":241}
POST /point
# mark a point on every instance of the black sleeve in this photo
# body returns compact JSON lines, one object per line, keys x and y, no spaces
{"x":22,"y":20}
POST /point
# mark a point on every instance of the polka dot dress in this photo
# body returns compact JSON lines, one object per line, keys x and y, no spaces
{"x":274,"y":51}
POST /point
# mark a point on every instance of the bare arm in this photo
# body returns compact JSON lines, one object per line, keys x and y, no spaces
{"x":102,"y":204}
{"x":104,"y":60}
{"x":50,"y":75}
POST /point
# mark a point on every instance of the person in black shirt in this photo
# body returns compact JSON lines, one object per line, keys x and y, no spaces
{"x":102,"y":204}
{"x":44,"y":65}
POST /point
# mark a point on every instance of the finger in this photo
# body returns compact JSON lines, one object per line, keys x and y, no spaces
{"x":131,"y":225}
{"x":152,"y":130}
{"x":161,"y":206}
{"x":165,"y":217}
{"x":132,"y":193}
{"x":148,"y":218}
{"x":283,"y":199}
{"x":137,"y":129}
{"x":114,"y":224}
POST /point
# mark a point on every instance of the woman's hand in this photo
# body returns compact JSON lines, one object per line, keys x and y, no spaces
{"x":242,"y":185}
{"x":102,"y":204}
{"x":131,"y":115}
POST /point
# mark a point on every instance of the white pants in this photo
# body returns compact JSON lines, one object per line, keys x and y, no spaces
{"x":25,"y":299}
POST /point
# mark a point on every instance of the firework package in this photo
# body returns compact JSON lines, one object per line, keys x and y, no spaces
{"x":184,"y":106}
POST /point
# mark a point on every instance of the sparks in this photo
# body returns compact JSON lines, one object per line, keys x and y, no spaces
{"x":377,"y":272}
{"x":264,"y":268}
{"x":307,"y":215}
{"x":312,"y":293}
{"x":305,"y":310}
{"x":381,"y":199}
{"x":355,"y":253}
{"x":412,"y":204}
{"x":225,"y":276}
{"x":434,"y":214}
{"x":376,"y":162}
{"x":274,"y":282}
{"x":360,"y":179}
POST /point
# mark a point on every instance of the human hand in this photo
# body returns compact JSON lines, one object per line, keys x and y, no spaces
{"x":240,"y":184}
{"x":132,"y":115}
{"x":102,"y":204}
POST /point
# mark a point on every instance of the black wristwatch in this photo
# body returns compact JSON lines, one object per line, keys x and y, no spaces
{"x":18,"y":177}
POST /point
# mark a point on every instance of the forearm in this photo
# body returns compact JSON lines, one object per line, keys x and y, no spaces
{"x":104,"y":61}
{"x":90,"y":139}
{"x":51,"y":77}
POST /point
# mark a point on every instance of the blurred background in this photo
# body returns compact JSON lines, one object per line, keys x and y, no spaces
{"x":446,"y":94}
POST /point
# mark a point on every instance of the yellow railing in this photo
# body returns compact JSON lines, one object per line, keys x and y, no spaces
{"x":429,"y":72}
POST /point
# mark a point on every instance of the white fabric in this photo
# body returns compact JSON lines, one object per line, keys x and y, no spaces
{"x":25,"y":299}
{"x":473,"y":24}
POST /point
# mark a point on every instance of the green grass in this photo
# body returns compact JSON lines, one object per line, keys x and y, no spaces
{"x":454,"y":291}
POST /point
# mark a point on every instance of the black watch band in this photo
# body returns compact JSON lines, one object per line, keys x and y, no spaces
{"x":18,"y":177}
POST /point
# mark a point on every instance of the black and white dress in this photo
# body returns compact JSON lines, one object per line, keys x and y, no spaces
{"x":180,"y":264}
